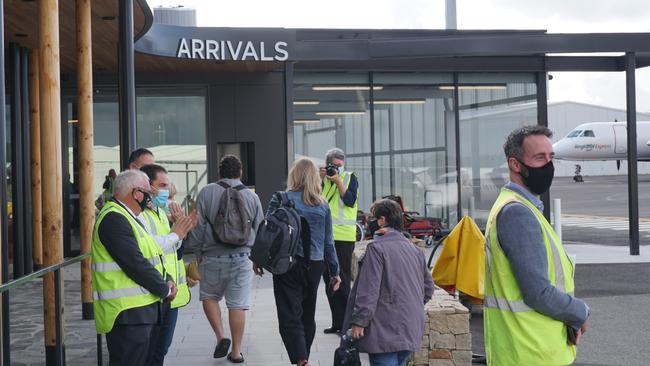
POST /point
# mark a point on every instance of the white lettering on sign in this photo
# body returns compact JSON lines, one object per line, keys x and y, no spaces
{"x":229,"y":50}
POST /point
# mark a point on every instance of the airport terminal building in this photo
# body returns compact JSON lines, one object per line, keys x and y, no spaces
{"x":418,"y":112}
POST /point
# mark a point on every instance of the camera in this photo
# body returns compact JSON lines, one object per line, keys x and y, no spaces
{"x":331,"y":170}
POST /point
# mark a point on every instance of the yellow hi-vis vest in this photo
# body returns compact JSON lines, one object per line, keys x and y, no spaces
{"x":113,"y":290}
{"x":344,"y":218}
{"x":159,"y":225}
{"x":515,"y":334}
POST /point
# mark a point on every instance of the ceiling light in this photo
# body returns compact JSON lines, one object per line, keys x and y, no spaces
{"x":339,"y":113}
{"x":345,"y":87}
{"x":474,"y":87}
{"x":415,"y":101}
{"x":306,"y":121}
{"x":306,"y":102}
{"x":71,"y":121}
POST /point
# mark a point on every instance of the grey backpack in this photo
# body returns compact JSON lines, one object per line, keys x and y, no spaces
{"x":232,"y":224}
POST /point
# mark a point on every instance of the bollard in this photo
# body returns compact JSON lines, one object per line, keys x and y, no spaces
{"x":471,"y":206}
{"x":557,"y":217}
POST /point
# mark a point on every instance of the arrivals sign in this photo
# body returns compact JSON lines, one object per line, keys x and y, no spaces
{"x":219,"y":44}
{"x":210,"y":49}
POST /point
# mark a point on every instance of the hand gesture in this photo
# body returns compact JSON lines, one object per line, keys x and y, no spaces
{"x":176,"y":211}
{"x":322,"y":171}
{"x":182,"y":226}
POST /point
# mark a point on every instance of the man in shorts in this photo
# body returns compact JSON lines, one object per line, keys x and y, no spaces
{"x":226,"y":272}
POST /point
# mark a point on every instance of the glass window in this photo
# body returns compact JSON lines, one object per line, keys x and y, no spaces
{"x":588,"y":133}
{"x":414,"y":142}
{"x":574,"y":133}
{"x":332,"y":110}
{"x":490,"y":107}
{"x":172,"y":124}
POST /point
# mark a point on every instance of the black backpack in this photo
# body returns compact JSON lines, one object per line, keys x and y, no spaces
{"x":279,"y":237}
{"x":232,"y":224}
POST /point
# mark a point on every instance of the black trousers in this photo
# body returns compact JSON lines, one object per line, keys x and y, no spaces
{"x":295,"y":300}
{"x":128,"y":345}
{"x":339,"y":300}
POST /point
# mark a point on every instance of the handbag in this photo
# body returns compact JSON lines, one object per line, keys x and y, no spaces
{"x":347,"y":354}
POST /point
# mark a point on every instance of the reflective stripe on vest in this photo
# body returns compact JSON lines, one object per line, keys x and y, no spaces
{"x":112,"y":266}
{"x":122,"y":292}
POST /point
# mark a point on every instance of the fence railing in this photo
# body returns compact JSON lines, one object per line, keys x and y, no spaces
{"x":58,"y":350}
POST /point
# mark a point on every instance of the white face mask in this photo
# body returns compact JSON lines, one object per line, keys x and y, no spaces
{"x":341,"y":170}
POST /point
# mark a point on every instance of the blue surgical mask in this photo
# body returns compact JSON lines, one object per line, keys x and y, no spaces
{"x":161,"y":198}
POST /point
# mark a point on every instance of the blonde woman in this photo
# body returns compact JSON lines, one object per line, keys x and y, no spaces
{"x":295,"y":291}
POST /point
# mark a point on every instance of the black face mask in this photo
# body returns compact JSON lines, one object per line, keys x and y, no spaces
{"x":373,"y":225}
{"x":538,"y":180}
{"x":145,"y":201}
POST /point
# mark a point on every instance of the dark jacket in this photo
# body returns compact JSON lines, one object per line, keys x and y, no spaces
{"x":389,"y":295}
{"x":116,"y":235}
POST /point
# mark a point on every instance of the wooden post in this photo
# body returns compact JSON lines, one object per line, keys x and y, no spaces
{"x":35,"y":128}
{"x":86,"y":162}
{"x":50,"y":101}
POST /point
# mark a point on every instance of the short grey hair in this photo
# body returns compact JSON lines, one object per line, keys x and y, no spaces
{"x":334,"y":153}
{"x":513,"y":145}
{"x":129,"y":180}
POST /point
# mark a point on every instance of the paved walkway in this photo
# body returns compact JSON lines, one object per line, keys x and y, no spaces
{"x":194,"y":340}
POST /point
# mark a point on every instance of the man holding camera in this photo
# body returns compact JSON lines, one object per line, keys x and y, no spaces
{"x":340,"y":190}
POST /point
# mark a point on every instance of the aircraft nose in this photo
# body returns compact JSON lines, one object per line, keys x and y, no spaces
{"x":561,"y":149}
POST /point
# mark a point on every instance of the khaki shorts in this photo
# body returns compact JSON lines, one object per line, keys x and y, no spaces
{"x":229,"y":277}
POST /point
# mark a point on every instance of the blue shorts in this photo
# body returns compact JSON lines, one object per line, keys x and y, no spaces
{"x":229,"y":276}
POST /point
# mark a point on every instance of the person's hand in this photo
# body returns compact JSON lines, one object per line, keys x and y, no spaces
{"x":336,"y":179}
{"x":322,"y":171}
{"x":357,"y":332}
{"x":335,"y":283}
{"x":172,"y":293}
{"x":258,"y":270}
{"x":581,"y":331}
{"x":183,"y":226}
{"x":176,"y":211}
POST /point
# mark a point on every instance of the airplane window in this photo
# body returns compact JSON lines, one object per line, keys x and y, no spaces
{"x":588,"y":133}
{"x":574,"y":133}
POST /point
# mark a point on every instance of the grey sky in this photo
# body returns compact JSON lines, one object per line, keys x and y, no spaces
{"x":557,"y":16}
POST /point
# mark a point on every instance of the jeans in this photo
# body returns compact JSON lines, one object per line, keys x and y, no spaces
{"x":389,"y":359}
{"x":161,"y":337}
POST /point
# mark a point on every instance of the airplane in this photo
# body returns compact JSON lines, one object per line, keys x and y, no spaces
{"x":603,"y":141}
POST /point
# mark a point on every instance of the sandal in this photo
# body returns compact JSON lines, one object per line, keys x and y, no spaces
{"x":222,"y":348}
{"x":236,"y":360}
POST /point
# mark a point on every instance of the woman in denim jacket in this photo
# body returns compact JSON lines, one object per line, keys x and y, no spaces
{"x":295,"y":291}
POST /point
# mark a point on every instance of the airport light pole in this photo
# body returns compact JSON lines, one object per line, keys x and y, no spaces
{"x":632,"y":177}
{"x":450,"y":14}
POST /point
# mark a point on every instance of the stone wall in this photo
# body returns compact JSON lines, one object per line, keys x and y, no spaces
{"x":447,"y":339}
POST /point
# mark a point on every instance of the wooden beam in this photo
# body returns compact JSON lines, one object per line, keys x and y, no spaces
{"x":50,"y":102}
{"x":35,"y":131}
{"x":86,"y":162}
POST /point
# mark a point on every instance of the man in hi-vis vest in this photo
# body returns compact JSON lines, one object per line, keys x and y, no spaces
{"x":530,"y":314}
{"x":129,"y":279}
{"x":169,"y":239}
{"x":340,"y":190}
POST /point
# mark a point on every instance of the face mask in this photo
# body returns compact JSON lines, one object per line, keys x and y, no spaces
{"x":145,"y":201}
{"x":341,"y":170}
{"x":539,"y":180}
{"x":161,"y":198}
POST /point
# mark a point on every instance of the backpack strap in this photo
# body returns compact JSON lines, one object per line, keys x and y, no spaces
{"x":240,"y":187}
{"x":223,"y":184}
{"x":283,"y":198}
